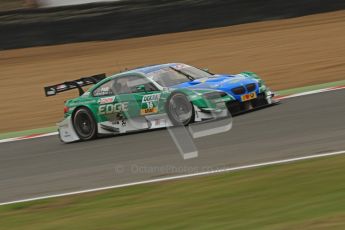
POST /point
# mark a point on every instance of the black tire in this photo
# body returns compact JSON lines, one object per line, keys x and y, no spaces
{"x":179,"y":109}
{"x":84,"y":124}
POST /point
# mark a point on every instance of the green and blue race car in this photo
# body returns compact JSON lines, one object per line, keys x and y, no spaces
{"x":153,"y":97}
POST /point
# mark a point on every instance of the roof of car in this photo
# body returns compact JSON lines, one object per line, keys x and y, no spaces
{"x":152,"y":68}
{"x":143,"y":69}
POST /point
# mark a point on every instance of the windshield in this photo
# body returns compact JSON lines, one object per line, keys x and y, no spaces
{"x":174,"y":75}
{"x":192,"y":71}
{"x":168,"y":77}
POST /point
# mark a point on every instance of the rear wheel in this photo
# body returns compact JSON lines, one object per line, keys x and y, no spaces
{"x":179,"y":109}
{"x":84,"y":124}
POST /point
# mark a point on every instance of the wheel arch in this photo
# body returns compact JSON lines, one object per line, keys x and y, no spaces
{"x":187,"y":97}
{"x":92,"y":115}
{"x":86,"y":107}
{"x":89,"y":109}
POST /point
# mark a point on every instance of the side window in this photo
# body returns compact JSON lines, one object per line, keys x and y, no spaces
{"x":104,"y":90}
{"x":130,"y":84}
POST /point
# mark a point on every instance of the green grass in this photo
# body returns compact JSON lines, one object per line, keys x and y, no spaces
{"x":27,"y":132}
{"x":304,"y":195}
{"x":310,"y":88}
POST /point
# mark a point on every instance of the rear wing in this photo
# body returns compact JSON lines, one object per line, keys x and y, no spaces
{"x":75,"y":84}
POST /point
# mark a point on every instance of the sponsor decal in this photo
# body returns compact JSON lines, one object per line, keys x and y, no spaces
{"x":148,"y":111}
{"x":150,"y":104}
{"x":121,"y":122}
{"x":103,"y":91}
{"x":113,"y":108}
{"x":106,"y":100}
{"x":151,"y":97}
{"x":51,"y":92}
{"x":248,"y":97}
{"x":61,"y":86}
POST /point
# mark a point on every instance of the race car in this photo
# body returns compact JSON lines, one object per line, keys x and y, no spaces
{"x":247,"y":90}
{"x":152,"y":97}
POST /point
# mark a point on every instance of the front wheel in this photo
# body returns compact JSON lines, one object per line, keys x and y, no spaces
{"x":179,"y":109}
{"x":84,"y":124}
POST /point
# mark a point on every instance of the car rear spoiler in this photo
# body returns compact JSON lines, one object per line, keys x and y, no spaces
{"x":75,"y":84}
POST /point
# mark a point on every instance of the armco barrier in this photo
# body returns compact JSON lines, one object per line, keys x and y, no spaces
{"x":133,"y":18}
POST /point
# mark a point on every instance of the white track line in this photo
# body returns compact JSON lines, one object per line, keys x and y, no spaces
{"x":178,"y":177}
{"x":311,"y":92}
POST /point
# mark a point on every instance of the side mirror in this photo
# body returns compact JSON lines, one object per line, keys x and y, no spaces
{"x":141,"y":88}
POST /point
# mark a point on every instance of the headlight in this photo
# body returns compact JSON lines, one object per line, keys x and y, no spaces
{"x":214,"y":95}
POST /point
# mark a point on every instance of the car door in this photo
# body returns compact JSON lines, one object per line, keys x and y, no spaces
{"x":106,"y":107}
{"x":141,"y":94}
{"x":116,"y":106}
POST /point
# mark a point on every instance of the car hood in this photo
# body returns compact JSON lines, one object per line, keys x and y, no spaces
{"x":221,"y":82}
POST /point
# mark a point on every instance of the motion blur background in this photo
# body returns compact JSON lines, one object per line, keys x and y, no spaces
{"x":36,"y":23}
{"x":288,"y":43}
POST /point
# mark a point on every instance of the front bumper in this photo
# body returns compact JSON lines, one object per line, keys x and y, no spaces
{"x":263,"y":99}
{"x":66,"y":131}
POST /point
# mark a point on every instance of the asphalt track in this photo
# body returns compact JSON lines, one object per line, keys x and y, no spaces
{"x":299,"y":126}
